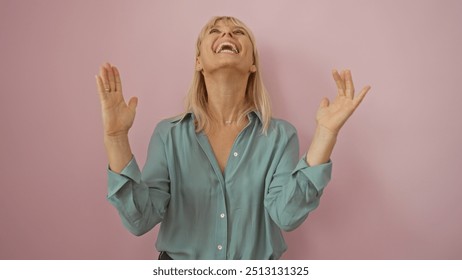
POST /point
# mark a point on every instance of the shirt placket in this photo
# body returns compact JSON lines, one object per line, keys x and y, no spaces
{"x":221,"y":216}
{"x":231,"y":166}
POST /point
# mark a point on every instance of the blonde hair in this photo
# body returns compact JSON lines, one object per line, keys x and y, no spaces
{"x":256,"y":95}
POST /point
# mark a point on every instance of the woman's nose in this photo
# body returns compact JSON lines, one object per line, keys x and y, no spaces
{"x":227,"y":33}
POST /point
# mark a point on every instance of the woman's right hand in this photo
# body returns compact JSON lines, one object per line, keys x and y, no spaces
{"x":118,"y":116}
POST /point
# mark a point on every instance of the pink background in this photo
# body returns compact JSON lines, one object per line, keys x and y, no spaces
{"x":396,"y":191}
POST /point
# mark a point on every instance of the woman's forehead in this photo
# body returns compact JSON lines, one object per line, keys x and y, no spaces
{"x":224,"y":22}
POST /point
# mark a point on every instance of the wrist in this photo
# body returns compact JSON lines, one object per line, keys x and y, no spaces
{"x":118,"y":151}
{"x":325,"y":133}
{"x":119,"y":138}
{"x":321,"y":147}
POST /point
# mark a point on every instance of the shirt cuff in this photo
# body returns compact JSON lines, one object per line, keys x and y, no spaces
{"x":318,"y":175}
{"x":116,"y":181}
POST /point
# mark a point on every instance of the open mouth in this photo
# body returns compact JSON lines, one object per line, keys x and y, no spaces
{"x":227,"y":47}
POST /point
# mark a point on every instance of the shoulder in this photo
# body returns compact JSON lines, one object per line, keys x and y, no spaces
{"x":281,"y":127}
{"x":166,"y":126}
{"x":281,"y":137}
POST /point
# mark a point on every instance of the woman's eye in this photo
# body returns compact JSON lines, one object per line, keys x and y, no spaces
{"x":214,"y":30}
{"x":239,"y":32}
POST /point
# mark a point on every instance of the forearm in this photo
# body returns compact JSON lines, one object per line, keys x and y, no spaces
{"x":118,"y":151}
{"x":321,"y":146}
{"x":295,"y":191}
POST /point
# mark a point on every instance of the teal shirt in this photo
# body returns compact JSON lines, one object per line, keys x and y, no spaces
{"x":207,"y":214}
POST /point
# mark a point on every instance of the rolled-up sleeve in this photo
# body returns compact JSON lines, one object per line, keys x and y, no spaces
{"x":295,"y":188}
{"x":141,"y":200}
{"x":117,"y":181}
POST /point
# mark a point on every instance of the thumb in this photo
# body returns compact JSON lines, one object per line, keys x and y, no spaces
{"x":324,"y":103}
{"x":132,"y":103}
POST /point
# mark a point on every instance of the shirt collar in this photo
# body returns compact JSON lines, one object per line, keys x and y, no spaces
{"x":254,"y":113}
{"x":182,"y":117}
{"x":251,"y":115}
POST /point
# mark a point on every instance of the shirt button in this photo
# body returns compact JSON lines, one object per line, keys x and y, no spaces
{"x":236,"y":154}
{"x":220,"y":247}
{"x":222,"y":215}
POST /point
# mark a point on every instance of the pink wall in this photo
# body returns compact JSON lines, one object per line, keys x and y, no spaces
{"x":395,"y":192}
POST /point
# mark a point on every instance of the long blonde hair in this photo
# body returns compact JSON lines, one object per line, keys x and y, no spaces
{"x":256,"y":95}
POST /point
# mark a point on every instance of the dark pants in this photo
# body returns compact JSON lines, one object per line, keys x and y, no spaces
{"x":164,"y":256}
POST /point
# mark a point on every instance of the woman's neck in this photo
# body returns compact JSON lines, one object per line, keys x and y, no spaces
{"x":226,"y":96}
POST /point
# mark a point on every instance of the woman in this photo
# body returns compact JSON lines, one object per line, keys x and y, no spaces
{"x":224,"y":178}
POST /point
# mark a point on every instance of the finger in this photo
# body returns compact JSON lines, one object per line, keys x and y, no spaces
{"x":111,"y":78}
{"x":350,"y":89}
{"x":339,"y":81}
{"x":99,"y":84}
{"x":359,"y":98}
{"x":104,"y":79}
{"x":132,"y":103}
{"x":324,"y":103}
{"x":102,"y":93}
{"x":118,"y":82}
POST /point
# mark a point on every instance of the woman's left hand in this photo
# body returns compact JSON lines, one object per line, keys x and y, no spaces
{"x":332,"y":116}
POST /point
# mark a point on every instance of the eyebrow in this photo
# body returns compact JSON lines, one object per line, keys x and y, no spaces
{"x":235,"y":27}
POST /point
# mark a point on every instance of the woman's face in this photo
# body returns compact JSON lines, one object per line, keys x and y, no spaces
{"x":226,"y":46}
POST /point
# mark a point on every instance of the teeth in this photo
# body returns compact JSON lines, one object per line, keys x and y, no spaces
{"x":220,"y":48}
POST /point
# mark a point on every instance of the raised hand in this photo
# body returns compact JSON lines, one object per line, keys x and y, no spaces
{"x":332,"y":116}
{"x":118,"y":116}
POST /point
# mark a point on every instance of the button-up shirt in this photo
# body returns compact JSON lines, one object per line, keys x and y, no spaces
{"x":209,"y":214}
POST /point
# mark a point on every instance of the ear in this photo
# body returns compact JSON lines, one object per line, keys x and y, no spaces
{"x":253,"y":69}
{"x":198,"y":64}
